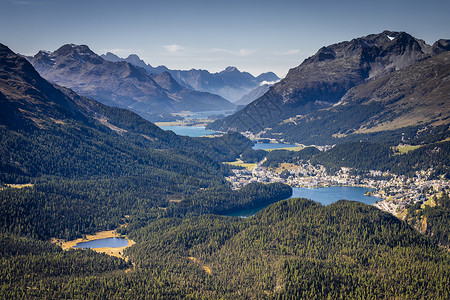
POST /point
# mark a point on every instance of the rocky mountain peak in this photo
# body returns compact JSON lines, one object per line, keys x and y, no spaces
{"x":81,"y":53}
{"x":441,"y":46}
{"x":230,"y":69}
{"x":326,"y":76}
{"x":137,"y":61}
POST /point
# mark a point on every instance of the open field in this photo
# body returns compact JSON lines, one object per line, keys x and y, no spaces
{"x":406,"y":148}
{"x":248,"y":166}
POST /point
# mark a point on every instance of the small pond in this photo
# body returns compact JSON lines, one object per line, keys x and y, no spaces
{"x":101,"y":243}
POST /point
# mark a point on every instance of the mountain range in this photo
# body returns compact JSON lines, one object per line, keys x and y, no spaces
{"x":122,"y":84}
{"x":321,"y":89}
{"x":89,"y":167}
{"x":230,"y":83}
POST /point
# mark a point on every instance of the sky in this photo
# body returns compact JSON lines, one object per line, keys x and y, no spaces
{"x":254,"y":36}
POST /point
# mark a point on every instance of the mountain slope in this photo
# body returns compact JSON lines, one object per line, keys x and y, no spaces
{"x":230,"y":83}
{"x":118,"y":84}
{"x":90,"y":163}
{"x":403,"y":103}
{"x":321,"y":80}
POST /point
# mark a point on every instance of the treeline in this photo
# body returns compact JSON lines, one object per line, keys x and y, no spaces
{"x":321,"y":127}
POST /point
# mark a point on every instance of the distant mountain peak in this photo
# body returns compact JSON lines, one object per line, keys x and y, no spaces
{"x":111,"y":57}
{"x":79,"y":52}
{"x":231,"y":69}
{"x":124,"y":83}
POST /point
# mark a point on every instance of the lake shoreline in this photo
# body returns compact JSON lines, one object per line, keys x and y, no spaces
{"x":116,"y":252}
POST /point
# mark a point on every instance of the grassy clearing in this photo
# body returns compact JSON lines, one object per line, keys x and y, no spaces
{"x":20,"y":186}
{"x":286,"y":166}
{"x":240,"y":163}
{"x":430,"y":202}
{"x":406,"y":148}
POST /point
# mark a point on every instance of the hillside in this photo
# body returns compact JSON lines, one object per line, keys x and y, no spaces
{"x":403,"y":106}
{"x":323,"y":79}
{"x":295,"y":249}
{"x":119,"y":84}
{"x":90,"y":163}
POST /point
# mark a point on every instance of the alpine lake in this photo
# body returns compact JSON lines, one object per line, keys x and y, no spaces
{"x":323,"y":195}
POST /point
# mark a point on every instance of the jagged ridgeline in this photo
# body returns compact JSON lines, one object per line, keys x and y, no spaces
{"x":86,"y":165}
{"x":386,"y":87}
{"x":122,"y":84}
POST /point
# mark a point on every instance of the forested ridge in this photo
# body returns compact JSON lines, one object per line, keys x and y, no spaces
{"x":294,"y":249}
{"x":365,"y":156}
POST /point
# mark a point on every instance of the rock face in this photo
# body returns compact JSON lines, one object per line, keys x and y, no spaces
{"x":406,"y":103}
{"x":230,"y":83}
{"x":25,"y":96}
{"x":120,"y":84}
{"x":321,"y":80}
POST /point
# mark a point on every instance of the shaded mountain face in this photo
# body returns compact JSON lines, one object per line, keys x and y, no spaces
{"x":230,"y":83}
{"x":25,"y":96}
{"x":321,"y":80}
{"x":119,"y":84}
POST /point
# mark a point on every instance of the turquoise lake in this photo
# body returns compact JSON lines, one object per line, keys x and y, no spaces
{"x":100,"y":243}
{"x":324,"y":195}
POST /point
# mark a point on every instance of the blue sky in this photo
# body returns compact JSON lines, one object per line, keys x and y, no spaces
{"x":255,"y":36}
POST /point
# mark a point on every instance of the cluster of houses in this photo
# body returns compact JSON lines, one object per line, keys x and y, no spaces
{"x":397,"y":192}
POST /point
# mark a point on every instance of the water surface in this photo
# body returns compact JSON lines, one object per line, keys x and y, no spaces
{"x":324,"y":195}
{"x":101,"y":243}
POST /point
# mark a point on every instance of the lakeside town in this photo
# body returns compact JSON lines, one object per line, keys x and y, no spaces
{"x":397,"y":192}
